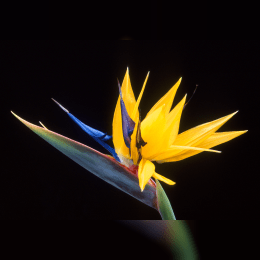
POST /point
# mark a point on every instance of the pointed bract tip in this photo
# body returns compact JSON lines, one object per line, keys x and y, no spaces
{"x":16,"y":115}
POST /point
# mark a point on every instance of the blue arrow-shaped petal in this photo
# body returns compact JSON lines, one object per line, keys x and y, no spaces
{"x":98,"y":136}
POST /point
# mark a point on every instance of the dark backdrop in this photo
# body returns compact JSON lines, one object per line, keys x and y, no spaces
{"x":38,"y":182}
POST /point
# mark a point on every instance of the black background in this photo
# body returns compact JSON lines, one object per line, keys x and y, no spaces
{"x":38,"y":182}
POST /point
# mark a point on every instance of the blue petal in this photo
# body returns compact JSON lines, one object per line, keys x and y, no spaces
{"x":93,"y":132}
{"x":98,"y":136}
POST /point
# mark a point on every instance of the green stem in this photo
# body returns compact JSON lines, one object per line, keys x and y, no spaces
{"x":164,"y":205}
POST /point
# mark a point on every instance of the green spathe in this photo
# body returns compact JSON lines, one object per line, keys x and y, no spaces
{"x":105,"y":167}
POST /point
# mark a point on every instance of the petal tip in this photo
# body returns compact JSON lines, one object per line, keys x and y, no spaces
{"x":63,"y":108}
{"x":231,"y":115}
{"x":43,"y":125}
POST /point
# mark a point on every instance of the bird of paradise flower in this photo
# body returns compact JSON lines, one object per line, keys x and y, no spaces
{"x":137,"y":144}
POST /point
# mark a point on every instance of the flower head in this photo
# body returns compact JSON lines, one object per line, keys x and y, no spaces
{"x":157,"y":137}
{"x":137,"y":144}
